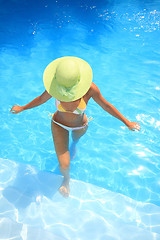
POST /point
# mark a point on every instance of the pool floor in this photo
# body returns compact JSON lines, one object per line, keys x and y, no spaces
{"x":32,"y":208}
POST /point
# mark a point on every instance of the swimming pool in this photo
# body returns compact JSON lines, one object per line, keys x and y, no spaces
{"x":120,"y":40}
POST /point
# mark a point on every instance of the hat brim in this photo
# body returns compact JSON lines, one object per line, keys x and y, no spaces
{"x":82,"y":87}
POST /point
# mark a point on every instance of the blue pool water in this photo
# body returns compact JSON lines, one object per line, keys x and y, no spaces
{"x":120,"y":40}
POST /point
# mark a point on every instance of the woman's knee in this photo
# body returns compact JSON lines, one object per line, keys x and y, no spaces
{"x":64,"y":160}
{"x":64,"y":165}
{"x":64,"y":169}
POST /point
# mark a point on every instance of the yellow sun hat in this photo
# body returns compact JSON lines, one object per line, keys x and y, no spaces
{"x":67,"y":78}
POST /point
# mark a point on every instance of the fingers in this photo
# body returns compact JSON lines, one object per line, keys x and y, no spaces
{"x":134,"y":126}
{"x":14,"y":112}
{"x":14,"y":109}
{"x":137,"y":126}
{"x":11,"y":109}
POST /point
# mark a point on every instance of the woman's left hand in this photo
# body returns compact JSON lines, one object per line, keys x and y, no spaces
{"x":133,"y":126}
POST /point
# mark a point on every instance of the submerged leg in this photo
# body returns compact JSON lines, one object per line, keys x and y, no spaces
{"x":61,"y":143}
{"x":76,"y":135}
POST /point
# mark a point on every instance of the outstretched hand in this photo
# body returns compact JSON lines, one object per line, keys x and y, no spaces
{"x":16,"y":109}
{"x":133,"y":126}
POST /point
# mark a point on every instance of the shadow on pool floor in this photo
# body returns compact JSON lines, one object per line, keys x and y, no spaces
{"x":32,"y":208}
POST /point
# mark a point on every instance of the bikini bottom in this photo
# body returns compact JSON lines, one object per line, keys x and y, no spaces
{"x":70,"y":128}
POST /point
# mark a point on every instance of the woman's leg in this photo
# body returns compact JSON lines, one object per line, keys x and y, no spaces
{"x":76,"y":135}
{"x":61,"y":143}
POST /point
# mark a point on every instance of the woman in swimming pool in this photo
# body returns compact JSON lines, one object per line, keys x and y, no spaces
{"x":69,"y":81}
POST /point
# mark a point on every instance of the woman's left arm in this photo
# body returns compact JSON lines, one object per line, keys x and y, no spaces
{"x":108,"y":107}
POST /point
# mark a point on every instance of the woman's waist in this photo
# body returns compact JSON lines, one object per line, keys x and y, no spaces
{"x":70,"y":119}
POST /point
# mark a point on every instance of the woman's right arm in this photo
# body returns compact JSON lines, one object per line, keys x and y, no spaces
{"x":44,"y":97}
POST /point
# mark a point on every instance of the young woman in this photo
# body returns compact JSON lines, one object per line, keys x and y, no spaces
{"x":69,"y":81}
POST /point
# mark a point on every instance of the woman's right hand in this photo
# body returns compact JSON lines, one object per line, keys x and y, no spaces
{"x":16,"y":109}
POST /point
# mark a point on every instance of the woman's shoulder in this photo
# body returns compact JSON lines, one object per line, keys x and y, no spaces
{"x":92,"y":91}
